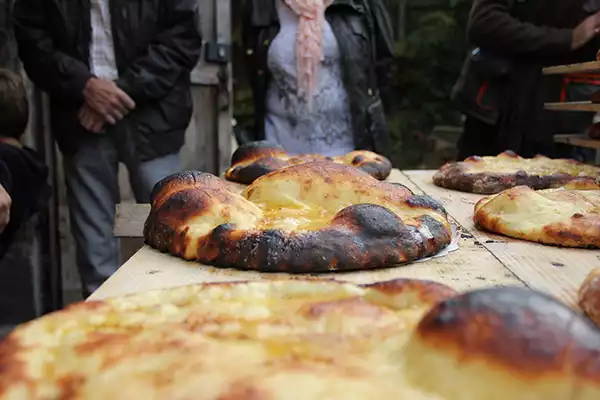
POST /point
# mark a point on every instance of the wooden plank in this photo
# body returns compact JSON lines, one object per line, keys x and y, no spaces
{"x":578,"y":140}
{"x":129,"y":220}
{"x":583,"y":106}
{"x":224,"y":99}
{"x":471,"y":267}
{"x":590,"y":66}
{"x":554,"y":270}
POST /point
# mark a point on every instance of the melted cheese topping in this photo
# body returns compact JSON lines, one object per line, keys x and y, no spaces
{"x":278,"y":340}
{"x":290,"y":205}
{"x":540,"y":166}
{"x":301,"y":204}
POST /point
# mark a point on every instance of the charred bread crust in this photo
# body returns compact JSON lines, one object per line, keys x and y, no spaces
{"x":511,"y":335}
{"x":253,"y":160}
{"x":359,"y":236}
{"x":461,"y":176}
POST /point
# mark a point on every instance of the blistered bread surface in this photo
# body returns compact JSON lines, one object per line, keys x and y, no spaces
{"x":312,"y":217}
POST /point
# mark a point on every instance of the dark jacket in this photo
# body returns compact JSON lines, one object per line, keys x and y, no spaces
{"x":8,"y":46}
{"x":157,"y":43}
{"x":23,"y":175}
{"x":365,"y":37}
{"x":525,"y":36}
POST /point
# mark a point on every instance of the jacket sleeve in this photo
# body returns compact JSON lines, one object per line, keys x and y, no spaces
{"x":384,"y":33}
{"x":52,"y":70}
{"x":385,"y":46}
{"x":491,"y":26}
{"x":248,"y":31}
{"x":249,"y":40}
{"x":174,"y":51}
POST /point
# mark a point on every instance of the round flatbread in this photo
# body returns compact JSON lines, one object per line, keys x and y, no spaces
{"x":313,"y":217}
{"x":299,"y":340}
{"x":490,"y":175}
{"x":567,"y":216}
{"x":253,"y":160}
{"x":589,"y":296}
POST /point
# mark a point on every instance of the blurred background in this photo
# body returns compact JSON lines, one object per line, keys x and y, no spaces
{"x":430,"y":46}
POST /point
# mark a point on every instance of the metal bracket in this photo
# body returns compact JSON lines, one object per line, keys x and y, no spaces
{"x":217,"y":53}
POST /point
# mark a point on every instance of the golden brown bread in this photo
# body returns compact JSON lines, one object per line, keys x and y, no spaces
{"x":507,"y":343}
{"x":312,"y":217}
{"x":297,"y":339}
{"x":253,"y":160}
{"x":490,"y":175}
{"x":589,"y":296}
{"x":568,"y":216}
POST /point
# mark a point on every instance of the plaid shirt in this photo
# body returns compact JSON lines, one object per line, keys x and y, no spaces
{"x":102,"y":53}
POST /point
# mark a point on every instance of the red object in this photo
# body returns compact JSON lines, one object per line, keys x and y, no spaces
{"x":594,"y":131}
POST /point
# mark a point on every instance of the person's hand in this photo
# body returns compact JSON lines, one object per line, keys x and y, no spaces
{"x":90,"y":119}
{"x":586,"y":31}
{"x":107,"y":99}
{"x":5,"y":203}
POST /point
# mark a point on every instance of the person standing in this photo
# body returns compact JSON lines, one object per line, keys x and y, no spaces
{"x":316,"y":68}
{"x":501,"y":89}
{"x":118,"y":78}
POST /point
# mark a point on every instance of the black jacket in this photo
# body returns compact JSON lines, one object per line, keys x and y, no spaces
{"x":519,"y":38}
{"x":365,"y":37}
{"x":23,"y":175}
{"x":157,"y":43}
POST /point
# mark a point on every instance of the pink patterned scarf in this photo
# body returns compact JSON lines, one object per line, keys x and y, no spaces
{"x":309,"y":43}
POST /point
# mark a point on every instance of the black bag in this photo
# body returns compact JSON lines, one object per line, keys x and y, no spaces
{"x":476,"y":93}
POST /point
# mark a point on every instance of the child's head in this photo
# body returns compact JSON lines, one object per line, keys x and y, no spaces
{"x":14,"y":106}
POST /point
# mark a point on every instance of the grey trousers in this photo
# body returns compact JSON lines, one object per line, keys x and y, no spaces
{"x":91,"y":177}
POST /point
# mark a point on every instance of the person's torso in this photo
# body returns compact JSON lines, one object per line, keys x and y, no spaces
{"x":155,"y":125}
{"x":352,"y":24}
{"x":326,"y":127}
{"x":134,"y":27}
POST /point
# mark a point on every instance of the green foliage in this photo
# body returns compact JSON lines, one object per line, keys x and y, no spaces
{"x":429,"y":58}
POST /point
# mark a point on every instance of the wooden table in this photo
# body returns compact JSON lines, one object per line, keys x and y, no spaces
{"x":482,"y":260}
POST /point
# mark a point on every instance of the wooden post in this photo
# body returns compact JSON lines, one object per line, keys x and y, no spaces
{"x":208,"y":139}
{"x":225,"y":94}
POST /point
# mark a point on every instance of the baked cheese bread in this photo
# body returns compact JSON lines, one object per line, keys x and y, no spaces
{"x":253,"y":160}
{"x":567,"y":216}
{"x":313,"y":340}
{"x":312,"y":217}
{"x":589,"y":296}
{"x":490,"y":175}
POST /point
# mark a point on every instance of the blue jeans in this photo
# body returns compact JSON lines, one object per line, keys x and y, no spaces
{"x":91,"y":177}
